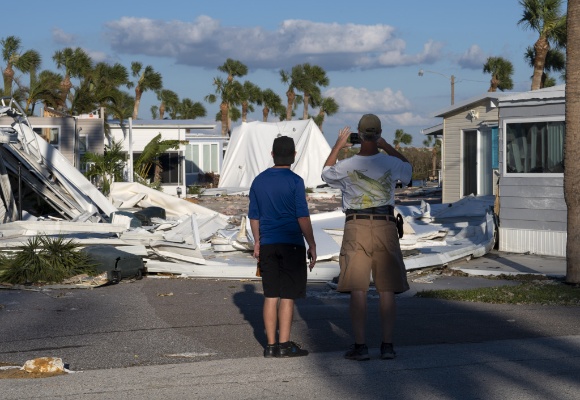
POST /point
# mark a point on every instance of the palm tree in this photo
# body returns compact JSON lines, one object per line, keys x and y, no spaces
{"x":168,"y":99}
{"x":221,"y":90}
{"x":99,"y":87}
{"x":501,"y":71}
{"x":572,"y":143}
{"x":188,"y":109}
{"x":402,"y":137}
{"x":45,"y":89}
{"x":150,"y":158}
{"x":234,"y":69}
{"x":435,"y":145}
{"x":12,"y":56}
{"x":545,"y":18}
{"x":250,"y":94}
{"x":290,"y":93}
{"x":271,"y":102}
{"x":228,"y":91}
{"x":76,"y":63}
{"x":327,"y":106}
{"x":107,"y":167}
{"x":308,"y":79}
{"x":122,"y":108}
{"x":555,"y":62}
{"x":148,"y":79}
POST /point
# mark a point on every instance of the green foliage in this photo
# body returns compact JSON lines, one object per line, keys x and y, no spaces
{"x":501,"y":71}
{"x":545,"y":292}
{"x":195,"y":189}
{"x":107,"y":167}
{"x":44,"y":259}
{"x":402,"y":137}
{"x":150,"y":157}
{"x":421,"y":159}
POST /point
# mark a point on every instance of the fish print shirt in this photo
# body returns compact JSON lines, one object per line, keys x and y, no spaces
{"x":367,"y":181}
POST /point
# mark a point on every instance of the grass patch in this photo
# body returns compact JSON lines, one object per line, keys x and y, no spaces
{"x":537,"y":291}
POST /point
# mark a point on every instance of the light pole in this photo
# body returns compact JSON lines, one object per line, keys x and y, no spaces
{"x":451,"y":79}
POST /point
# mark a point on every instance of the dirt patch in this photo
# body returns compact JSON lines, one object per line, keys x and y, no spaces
{"x":236,"y":205}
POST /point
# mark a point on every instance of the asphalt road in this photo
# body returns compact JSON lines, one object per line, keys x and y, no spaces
{"x":163,"y":321}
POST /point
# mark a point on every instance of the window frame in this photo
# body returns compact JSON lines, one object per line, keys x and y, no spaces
{"x":41,"y":127}
{"x":527,"y":120}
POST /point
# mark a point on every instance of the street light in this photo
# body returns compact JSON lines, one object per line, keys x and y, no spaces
{"x":451,"y":79}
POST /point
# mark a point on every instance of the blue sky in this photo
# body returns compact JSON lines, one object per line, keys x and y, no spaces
{"x":372,"y":50}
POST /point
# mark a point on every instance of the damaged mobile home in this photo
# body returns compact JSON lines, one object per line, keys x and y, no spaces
{"x":179,"y":237}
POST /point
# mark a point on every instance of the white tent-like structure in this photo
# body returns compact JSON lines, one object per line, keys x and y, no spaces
{"x":250,"y":147}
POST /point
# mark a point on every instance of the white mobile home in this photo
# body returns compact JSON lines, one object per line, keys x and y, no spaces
{"x":533,"y":212}
{"x":200,"y":151}
{"x":469,"y":158}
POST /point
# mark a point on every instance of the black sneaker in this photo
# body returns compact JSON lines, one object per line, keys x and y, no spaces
{"x":271,"y":350}
{"x":358,"y":353}
{"x":291,"y":349}
{"x":387,"y":351}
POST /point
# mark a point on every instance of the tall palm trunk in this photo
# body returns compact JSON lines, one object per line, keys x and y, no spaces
{"x":8,"y":75}
{"x":224,"y":109}
{"x":541,"y":47}
{"x":265,"y":113}
{"x":306,"y":101}
{"x":291,"y":97}
{"x":244,"y":111}
{"x":161,"y":110}
{"x":138,"y":94}
{"x":65,"y":87}
{"x":493,"y":84}
{"x":572,"y":144}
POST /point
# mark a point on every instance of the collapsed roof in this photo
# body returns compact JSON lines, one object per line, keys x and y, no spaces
{"x":42,"y":168}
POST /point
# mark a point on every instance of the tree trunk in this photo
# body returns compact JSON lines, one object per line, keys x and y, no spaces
{"x":244,"y":111}
{"x":572,"y":143}
{"x":8,"y":76}
{"x":65,"y":87}
{"x":138,"y":94}
{"x":291,"y":96}
{"x":224,"y":112}
{"x":493,"y":84}
{"x":306,"y":101}
{"x":541,"y":46}
{"x":265,"y":112}
{"x":161,"y":110}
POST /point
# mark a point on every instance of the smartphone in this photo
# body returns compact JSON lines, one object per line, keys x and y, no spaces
{"x":354,"y":138}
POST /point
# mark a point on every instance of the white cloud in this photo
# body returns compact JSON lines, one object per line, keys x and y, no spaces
{"x":362,"y":100}
{"x":61,"y":37}
{"x":473,"y":58}
{"x":407,"y":119}
{"x":204,"y":42}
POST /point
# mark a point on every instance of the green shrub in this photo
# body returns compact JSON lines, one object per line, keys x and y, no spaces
{"x":45,"y":259}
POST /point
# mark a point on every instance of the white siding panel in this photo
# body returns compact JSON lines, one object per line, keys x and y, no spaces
{"x":548,"y":243}
{"x":454,"y":125}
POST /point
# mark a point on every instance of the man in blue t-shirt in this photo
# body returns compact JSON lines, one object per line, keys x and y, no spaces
{"x":280,"y":223}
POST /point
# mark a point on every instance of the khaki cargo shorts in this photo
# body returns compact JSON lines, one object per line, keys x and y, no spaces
{"x":371,"y":247}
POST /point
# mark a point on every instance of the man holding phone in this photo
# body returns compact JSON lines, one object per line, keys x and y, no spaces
{"x":370,"y":244}
{"x":280,"y":223}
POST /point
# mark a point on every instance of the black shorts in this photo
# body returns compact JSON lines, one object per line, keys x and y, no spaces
{"x":283,"y":268}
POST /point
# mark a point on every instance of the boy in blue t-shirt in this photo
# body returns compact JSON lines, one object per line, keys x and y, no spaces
{"x":280,"y":223}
